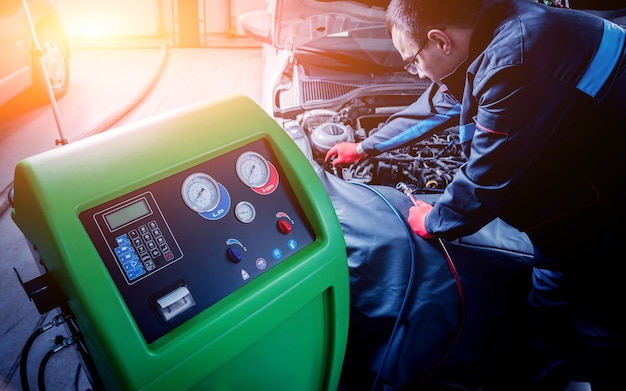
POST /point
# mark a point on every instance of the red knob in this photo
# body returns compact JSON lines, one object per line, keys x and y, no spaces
{"x":284,"y":226}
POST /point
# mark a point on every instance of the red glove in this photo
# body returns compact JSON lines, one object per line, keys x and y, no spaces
{"x":417,"y":215}
{"x":345,"y":152}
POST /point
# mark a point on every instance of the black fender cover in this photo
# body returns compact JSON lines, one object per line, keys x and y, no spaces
{"x":460,"y":323}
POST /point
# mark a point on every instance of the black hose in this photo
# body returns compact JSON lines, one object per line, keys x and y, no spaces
{"x":90,"y":367}
{"x":24,"y":358}
{"x":41,"y":374}
{"x":77,"y":376}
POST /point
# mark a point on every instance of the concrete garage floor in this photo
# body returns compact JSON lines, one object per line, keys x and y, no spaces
{"x":106,"y":84}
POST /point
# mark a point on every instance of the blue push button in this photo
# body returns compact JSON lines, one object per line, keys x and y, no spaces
{"x":122,"y":239}
{"x":135,"y":273}
{"x":123,"y":249}
{"x":133,"y":264}
{"x":127,"y":257}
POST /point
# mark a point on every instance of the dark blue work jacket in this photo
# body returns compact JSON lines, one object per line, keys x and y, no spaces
{"x":542,"y":117}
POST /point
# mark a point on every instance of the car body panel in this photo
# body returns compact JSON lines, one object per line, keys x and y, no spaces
{"x":18,"y":68}
{"x":15,"y":73}
{"x":290,"y":24}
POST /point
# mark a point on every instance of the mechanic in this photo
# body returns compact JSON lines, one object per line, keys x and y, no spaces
{"x":542,"y":122}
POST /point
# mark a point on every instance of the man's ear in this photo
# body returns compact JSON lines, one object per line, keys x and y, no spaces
{"x":441,"y":39}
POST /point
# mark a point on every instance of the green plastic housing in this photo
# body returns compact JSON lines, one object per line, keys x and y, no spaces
{"x":285,"y":330}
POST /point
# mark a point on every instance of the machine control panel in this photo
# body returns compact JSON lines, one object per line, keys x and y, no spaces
{"x":138,"y":237}
{"x":181,"y":244}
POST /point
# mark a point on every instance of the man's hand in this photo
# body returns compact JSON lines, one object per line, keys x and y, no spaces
{"x":345,"y":152}
{"x":417,"y":215}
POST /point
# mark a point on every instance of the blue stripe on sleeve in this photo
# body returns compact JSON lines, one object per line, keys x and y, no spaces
{"x":466,"y":132}
{"x":604,"y":61}
{"x":419,"y":129}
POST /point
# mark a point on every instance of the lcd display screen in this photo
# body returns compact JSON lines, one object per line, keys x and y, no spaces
{"x":127,"y":214}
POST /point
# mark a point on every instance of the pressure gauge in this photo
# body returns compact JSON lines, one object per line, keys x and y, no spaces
{"x":200,"y":192}
{"x":245,"y":212}
{"x":253,"y":169}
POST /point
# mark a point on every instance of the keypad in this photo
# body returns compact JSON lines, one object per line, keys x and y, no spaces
{"x":141,"y":250}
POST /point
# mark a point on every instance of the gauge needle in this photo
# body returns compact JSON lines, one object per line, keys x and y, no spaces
{"x":200,"y":193}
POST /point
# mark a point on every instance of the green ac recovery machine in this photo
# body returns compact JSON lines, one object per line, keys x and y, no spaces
{"x":196,"y":250}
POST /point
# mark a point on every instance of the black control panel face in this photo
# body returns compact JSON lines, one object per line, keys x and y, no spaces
{"x":181,"y":244}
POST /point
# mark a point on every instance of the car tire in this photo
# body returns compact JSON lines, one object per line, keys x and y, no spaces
{"x":55,"y":56}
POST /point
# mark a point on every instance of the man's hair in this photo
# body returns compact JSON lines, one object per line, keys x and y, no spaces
{"x":415,"y":17}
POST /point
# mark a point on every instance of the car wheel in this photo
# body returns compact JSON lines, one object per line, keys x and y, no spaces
{"x":55,"y":58}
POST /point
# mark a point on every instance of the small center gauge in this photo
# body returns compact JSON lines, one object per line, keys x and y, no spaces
{"x":245,"y":212}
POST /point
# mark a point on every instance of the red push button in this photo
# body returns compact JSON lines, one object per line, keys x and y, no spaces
{"x":284,"y":226}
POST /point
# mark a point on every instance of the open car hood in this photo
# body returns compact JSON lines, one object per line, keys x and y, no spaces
{"x":288,"y":24}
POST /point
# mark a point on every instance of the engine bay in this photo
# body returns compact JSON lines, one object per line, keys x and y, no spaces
{"x":427,"y":166}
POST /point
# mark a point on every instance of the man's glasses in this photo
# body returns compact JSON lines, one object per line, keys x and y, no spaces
{"x":411,"y":66}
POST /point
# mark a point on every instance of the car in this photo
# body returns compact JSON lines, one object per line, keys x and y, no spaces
{"x":20,"y":68}
{"x":331,"y":71}
{"x":332,"y":74}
